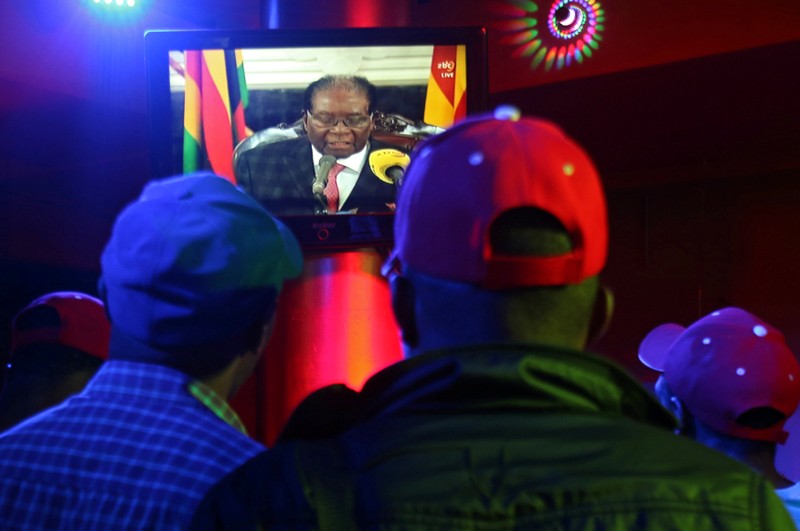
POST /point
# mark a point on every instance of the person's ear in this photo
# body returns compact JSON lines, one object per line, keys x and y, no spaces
{"x":671,"y":403}
{"x":601,"y":314}
{"x":258,"y":333}
{"x":403,"y":300}
{"x":677,"y":409}
{"x":245,"y":363}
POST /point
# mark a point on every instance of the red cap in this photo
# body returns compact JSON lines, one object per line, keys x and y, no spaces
{"x":725,"y":364}
{"x":461,"y":180}
{"x":80,"y":323}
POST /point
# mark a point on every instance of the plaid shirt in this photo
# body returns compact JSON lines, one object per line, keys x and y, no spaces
{"x":137,"y":449}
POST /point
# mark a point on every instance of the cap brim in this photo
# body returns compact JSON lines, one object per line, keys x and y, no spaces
{"x":653,"y":349}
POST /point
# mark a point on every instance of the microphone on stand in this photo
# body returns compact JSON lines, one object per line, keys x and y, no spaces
{"x":321,"y":179}
{"x":389,"y":165}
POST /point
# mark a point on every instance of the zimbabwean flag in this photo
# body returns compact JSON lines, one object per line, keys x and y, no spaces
{"x":446,"y":99}
{"x":213,"y":118}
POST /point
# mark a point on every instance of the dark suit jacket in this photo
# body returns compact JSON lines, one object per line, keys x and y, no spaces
{"x":280,"y":175}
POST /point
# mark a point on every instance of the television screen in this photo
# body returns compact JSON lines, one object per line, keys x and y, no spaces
{"x":236,"y":103}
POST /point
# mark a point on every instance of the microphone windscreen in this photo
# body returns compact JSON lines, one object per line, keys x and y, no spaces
{"x":385,"y":163}
{"x":321,"y":179}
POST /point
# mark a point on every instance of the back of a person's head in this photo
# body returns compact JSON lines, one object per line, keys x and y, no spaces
{"x":58,"y":342}
{"x":192,"y":272}
{"x":505,"y":218}
{"x":731,"y":370}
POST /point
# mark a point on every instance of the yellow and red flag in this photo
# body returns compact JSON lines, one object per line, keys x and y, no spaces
{"x":446,"y":99}
{"x":213,"y":119}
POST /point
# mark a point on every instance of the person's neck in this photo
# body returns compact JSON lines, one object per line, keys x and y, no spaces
{"x":763,"y":462}
{"x":758,"y":455}
{"x":222,"y":383}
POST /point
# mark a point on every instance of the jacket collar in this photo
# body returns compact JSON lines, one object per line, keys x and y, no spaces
{"x":502,"y":377}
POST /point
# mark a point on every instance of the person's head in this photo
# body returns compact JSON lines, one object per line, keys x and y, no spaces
{"x":338,"y":114}
{"x":730,"y":373}
{"x":58,"y":342}
{"x":500,"y":233}
{"x":191,"y":275}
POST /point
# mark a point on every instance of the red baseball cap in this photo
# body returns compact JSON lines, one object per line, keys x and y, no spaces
{"x":78,"y":321}
{"x":725,"y":364}
{"x":461,"y":180}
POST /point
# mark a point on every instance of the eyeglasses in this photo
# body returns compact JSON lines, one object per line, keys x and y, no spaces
{"x":355,"y":121}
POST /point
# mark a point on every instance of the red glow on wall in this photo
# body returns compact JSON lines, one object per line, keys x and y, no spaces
{"x":334,"y":325}
{"x":363,"y":14}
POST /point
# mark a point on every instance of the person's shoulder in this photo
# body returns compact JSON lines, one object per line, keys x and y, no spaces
{"x":684,"y":463}
{"x":274,"y":149}
{"x":324,"y":413}
{"x":301,"y":142}
{"x":264,"y":488}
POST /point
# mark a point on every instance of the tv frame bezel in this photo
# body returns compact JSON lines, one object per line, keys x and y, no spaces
{"x":158,"y":44}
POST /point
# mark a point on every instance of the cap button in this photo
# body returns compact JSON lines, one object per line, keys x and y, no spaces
{"x":507,"y":112}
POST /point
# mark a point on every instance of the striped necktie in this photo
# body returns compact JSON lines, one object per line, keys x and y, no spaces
{"x":332,"y":189}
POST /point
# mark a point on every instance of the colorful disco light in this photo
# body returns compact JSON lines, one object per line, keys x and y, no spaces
{"x":574,"y":31}
{"x":116,"y":3}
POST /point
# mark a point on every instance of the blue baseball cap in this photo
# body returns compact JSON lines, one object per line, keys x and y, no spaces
{"x":192,"y":262}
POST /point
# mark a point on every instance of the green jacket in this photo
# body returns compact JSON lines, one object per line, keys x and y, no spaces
{"x":492,"y":438}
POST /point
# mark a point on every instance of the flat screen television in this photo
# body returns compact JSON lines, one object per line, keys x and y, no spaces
{"x":269,"y":71}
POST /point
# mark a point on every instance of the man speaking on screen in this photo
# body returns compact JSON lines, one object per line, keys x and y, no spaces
{"x":327,"y":170}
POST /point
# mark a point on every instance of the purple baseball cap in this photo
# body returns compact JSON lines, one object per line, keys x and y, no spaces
{"x":725,"y":364}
